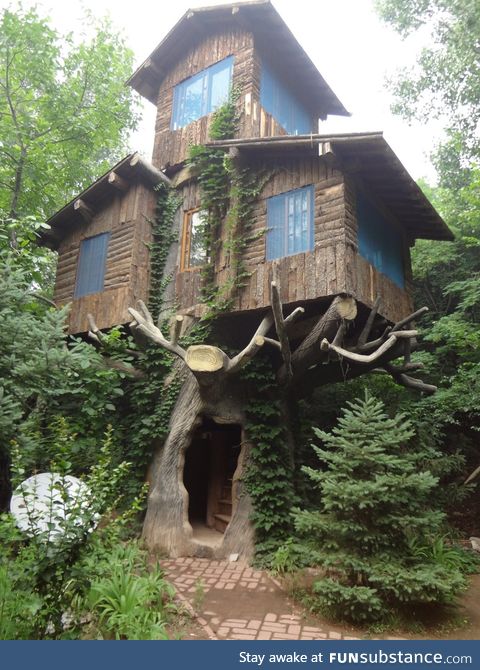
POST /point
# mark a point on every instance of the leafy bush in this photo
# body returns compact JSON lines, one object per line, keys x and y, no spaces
{"x":43,"y":567}
{"x":375,"y":498}
{"x":129,"y":605}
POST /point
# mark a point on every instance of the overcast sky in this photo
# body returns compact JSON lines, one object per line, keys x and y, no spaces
{"x":353,"y":50}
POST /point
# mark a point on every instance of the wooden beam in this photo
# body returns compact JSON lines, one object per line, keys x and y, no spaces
{"x":153,"y":67}
{"x":149,"y":171}
{"x":118,"y":182}
{"x":83,"y":209}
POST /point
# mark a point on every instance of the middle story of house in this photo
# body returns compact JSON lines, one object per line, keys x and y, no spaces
{"x":337,"y":214}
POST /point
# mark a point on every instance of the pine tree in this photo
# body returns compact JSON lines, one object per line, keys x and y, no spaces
{"x":374,"y":517}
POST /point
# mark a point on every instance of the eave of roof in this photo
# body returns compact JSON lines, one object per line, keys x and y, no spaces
{"x":259,"y":16}
{"x":370,"y":156}
{"x":130,"y":169}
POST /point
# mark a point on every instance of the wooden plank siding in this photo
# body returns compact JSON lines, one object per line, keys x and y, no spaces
{"x":334,"y":265}
{"x":303,"y":276}
{"x":127,"y":272}
{"x":171,"y":147}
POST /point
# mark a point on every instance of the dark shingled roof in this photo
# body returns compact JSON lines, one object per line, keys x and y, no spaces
{"x":272,"y":36}
{"x":369,"y":156}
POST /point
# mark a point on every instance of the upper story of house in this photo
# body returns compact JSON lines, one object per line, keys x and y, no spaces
{"x":336,"y":214}
{"x":210,"y":52}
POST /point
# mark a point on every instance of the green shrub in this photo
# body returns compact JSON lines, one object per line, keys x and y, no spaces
{"x":132,"y":602}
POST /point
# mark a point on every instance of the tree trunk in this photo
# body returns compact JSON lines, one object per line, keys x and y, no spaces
{"x":166,"y":525}
{"x":213,"y":390}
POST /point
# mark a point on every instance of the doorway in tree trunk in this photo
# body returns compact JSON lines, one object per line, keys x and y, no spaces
{"x":210,"y":462}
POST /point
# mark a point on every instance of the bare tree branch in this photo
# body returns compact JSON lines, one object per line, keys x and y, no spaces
{"x":409,"y":382}
{"x":143,"y":322}
{"x":363,"y":337}
{"x":280,"y":325}
{"x":409,"y":319}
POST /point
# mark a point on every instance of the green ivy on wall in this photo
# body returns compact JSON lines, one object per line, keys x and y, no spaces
{"x":153,"y":397}
{"x":269,"y":476}
{"x":229,"y":193}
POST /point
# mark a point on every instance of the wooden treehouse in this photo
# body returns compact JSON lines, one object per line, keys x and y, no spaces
{"x":334,"y":221}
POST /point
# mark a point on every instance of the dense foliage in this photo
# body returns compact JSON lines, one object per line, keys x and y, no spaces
{"x":42,"y":379}
{"x":65,"y":113}
{"x":269,"y":477}
{"x":445,"y":83}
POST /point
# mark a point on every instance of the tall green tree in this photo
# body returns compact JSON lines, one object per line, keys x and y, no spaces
{"x":375,"y":512}
{"x":445,"y":83}
{"x":65,"y":113}
{"x":44,"y":381}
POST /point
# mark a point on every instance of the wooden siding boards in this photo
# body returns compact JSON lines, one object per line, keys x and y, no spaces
{"x":171,"y":147}
{"x":365,"y":282}
{"x":127,"y":273}
{"x":303,"y":276}
{"x":334,"y":265}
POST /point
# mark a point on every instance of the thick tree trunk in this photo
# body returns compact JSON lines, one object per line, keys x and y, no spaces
{"x":166,"y":525}
{"x":343,"y":308}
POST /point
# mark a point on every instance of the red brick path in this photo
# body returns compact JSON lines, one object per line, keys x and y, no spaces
{"x":195,"y":578}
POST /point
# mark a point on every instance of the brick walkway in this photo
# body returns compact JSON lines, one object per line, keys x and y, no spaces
{"x":209,"y":587}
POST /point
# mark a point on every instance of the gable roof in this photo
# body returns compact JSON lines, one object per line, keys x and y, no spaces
{"x":271,"y":34}
{"x":129,"y":170}
{"x":369,"y":156}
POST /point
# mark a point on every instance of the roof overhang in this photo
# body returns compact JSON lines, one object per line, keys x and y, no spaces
{"x":369,"y":156}
{"x":271,"y":35}
{"x":120,"y":177}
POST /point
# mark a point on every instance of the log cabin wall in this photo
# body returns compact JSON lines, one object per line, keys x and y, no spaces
{"x":334,"y":265}
{"x":171,"y":146}
{"x":127,"y":273}
{"x":303,"y":276}
{"x":308,"y":275}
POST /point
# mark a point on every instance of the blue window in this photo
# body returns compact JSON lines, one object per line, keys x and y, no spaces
{"x":91,"y":265}
{"x":277,"y":100}
{"x":379,"y":242}
{"x":201,"y":94}
{"x":290,"y":223}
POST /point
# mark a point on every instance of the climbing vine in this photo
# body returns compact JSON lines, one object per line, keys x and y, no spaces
{"x":228,"y":194}
{"x":153,"y":397}
{"x":269,"y":476}
{"x":214,"y":182}
{"x":163,"y":237}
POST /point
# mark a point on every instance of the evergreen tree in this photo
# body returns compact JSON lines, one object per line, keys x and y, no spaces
{"x":375,"y":515}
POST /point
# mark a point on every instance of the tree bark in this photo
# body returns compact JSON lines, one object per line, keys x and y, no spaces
{"x":343,"y":308}
{"x":166,"y":525}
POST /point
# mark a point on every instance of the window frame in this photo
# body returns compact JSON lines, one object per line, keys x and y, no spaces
{"x":310,"y":233}
{"x":83,"y":266}
{"x":185,"y":246}
{"x":206,"y":77}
